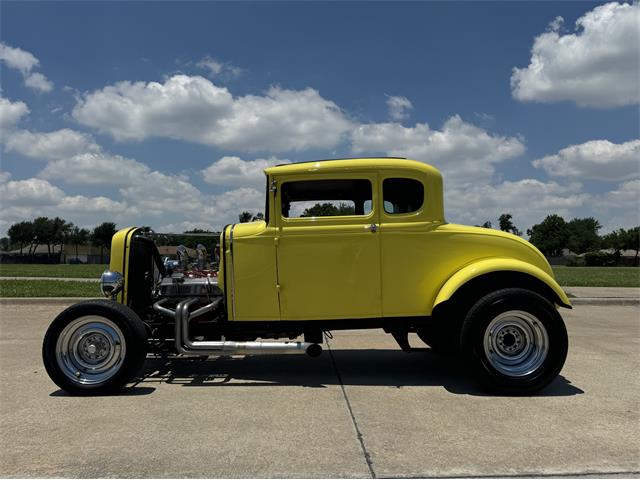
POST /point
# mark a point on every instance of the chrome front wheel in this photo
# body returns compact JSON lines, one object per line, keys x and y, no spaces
{"x":94,"y":347}
{"x":90,"y":350}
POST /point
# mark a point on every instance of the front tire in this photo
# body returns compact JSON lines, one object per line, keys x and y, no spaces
{"x":515,"y":341}
{"x":94,"y":347}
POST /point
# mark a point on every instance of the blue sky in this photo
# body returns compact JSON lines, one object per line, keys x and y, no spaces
{"x":239,"y":86}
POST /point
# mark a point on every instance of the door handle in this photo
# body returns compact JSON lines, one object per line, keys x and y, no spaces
{"x":373,"y":227}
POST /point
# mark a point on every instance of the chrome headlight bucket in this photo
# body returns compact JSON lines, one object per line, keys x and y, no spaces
{"x":111,"y":283}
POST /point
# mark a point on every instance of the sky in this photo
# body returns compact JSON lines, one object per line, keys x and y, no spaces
{"x":165,"y":114}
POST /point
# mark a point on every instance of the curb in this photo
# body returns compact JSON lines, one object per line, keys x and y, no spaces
{"x":606,"y":301}
{"x":44,"y":300}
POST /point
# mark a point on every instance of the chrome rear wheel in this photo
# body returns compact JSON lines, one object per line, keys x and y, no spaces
{"x":516,"y":343}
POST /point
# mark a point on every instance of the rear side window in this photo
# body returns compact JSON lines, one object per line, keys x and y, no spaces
{"x":402,"y":195}
{"x":326,"y":198}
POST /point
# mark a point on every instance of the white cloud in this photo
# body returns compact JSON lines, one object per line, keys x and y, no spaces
{"x":10,"y":115}
{"x":462,"y":150}
{"x":528,"y":200}
{"x":38,"y":82}
{"x":194,"y":109}
{"x":596,"y":160}
{"x":627,"y":194}
{"x":160,"y":193}
{"x":59,"y":144}
{"x":215,"y":68}
{"x":17,"y":58}
{"x":226,"y":207}
{"x":233,"y":171}
{"x":97,"y":169}
{"x":620,"y":207}
{"x":25,"y":62}
{"x":80,"y":203}
{"x":596,"y":66}
{"x":30,"y":192}
{"x":399,"y":108}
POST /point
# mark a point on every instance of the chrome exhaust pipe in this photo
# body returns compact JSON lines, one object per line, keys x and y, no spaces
{"x":185,"y":346}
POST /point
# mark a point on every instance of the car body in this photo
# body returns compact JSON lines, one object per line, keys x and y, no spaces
{"x":353,"y":243}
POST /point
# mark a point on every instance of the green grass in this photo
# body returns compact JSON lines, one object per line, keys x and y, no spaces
{"x":48,"y":288}
{"x":597,"y":276}
{"x":58,"y":271}
{"x":566,"y":276}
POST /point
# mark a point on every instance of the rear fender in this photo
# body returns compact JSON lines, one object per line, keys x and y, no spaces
{"x":491,"y":265}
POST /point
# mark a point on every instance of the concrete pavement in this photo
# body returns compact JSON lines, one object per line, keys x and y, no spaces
{"x":362,"y":409}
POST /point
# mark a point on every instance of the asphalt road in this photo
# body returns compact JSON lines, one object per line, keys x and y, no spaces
{"x":365,"y":409}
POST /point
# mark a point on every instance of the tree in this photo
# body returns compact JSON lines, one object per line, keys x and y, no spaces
{"x":506,"y":225}
{"x":632,"y":241}
{"x":583,"y":235}
{"x":4,"y":243}
{"x":258,"y":217}
{"x":486,"y":224}
{"x":60,"y":231}
{"x":328,"y":210}
{"x":622,"y":239}
{"x":21,"y":233}
{"x":245,"y":217}
{"x":614,"y":240}
{"x":43,"y":234}
{"x":550,"y":235}
{"x":78,"y":236}
{"x":101,"y":236}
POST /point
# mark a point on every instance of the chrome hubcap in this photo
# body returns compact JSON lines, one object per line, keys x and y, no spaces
{"x":90,"y":350}
{"x":516,"y":343}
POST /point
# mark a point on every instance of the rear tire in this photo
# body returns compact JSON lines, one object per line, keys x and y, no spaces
{"x":515,"y":341}
{"x":94,"y":347}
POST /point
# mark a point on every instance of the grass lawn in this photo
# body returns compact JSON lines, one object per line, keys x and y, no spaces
{"x":59,"y":271}
{"x":49,"y":288}
{"x":597,"y":276}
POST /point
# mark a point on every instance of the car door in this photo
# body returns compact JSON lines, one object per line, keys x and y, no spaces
{"x":408,"y":261}
{"x":328,"y":247}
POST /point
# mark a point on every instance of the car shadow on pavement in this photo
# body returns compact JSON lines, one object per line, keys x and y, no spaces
{"x":126,"y":392}
{"x":366,"y":367}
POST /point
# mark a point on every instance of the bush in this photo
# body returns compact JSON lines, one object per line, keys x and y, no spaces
{"x":574,"y":261}
{"x":602,"y":259}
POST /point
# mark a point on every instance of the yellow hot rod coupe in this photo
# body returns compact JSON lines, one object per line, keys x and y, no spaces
{"x":345,"y":244}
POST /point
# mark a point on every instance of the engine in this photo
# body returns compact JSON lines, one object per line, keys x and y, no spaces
{"x":189,"y":277}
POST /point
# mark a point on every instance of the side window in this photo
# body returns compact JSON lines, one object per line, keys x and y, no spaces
{"x":326,"y":198}
{"x":402,"y":195}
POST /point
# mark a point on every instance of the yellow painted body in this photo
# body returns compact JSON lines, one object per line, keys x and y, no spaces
{"x":119,"y":257}
{"x":321,"y":268}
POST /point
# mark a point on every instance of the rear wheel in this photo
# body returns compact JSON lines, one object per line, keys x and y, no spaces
{"x":94,"y":347}
{"x":515,"y":341}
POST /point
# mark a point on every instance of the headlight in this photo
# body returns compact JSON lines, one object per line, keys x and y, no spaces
{"x":111,"y":283}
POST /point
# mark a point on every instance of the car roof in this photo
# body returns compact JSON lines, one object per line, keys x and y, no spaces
{"x":344,"y":164}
